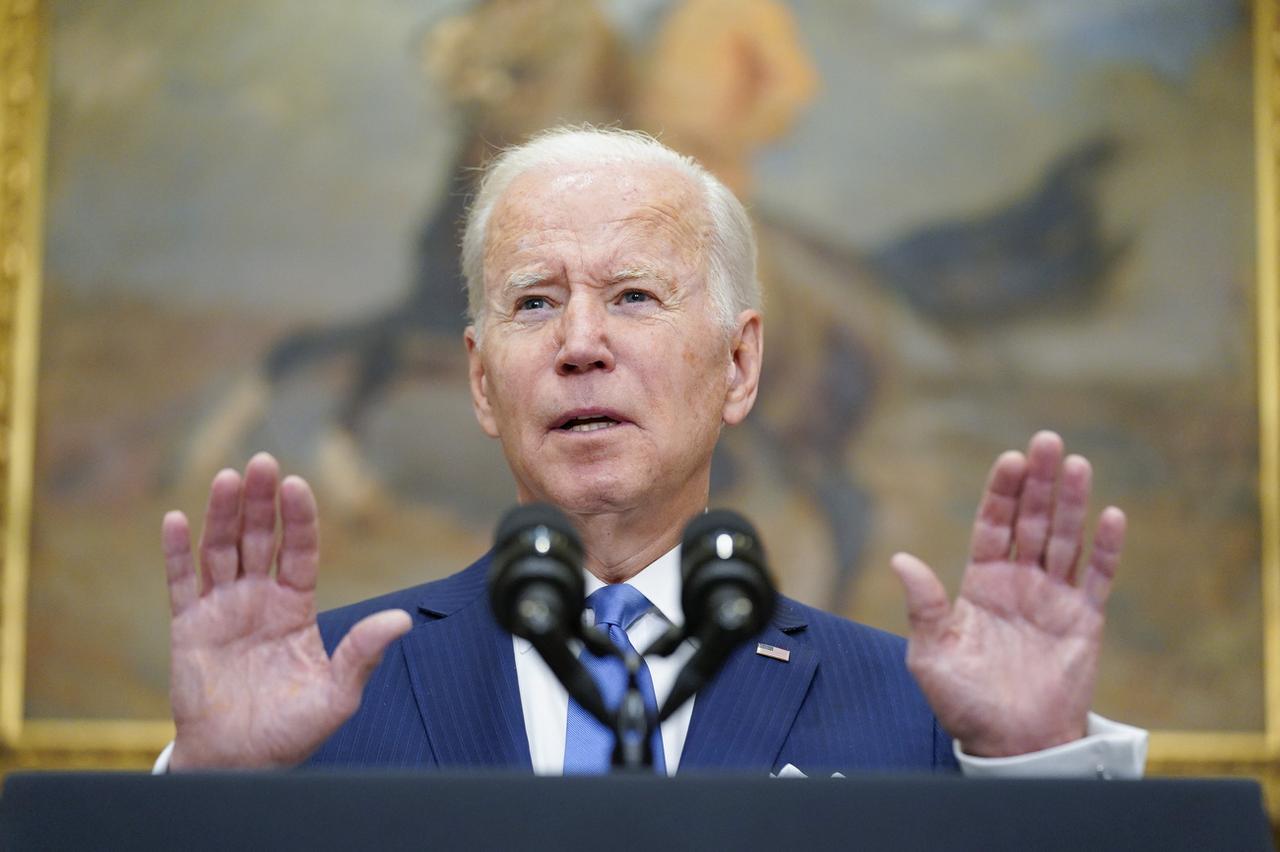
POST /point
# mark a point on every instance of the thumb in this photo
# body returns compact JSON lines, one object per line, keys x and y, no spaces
{"x":927,"y":603}
{"x":360,"y":651}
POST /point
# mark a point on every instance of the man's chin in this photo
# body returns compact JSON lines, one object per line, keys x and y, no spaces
{"x":587,"y":495}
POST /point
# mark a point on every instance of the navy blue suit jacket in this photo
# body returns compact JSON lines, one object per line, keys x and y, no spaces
{"x":445,"y":695}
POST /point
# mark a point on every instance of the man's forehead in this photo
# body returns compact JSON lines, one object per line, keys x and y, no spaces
{"x":552,"y":192}
{"x":630,"y":216}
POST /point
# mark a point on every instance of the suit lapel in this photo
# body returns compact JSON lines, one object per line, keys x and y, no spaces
{"x":462,"y":668}
{"x":742,"y":717}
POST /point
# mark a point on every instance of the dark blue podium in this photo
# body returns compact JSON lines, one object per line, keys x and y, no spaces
{"x":381,"y":811}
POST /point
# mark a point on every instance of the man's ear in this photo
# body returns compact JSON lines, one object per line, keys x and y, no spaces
{"x":745,"y":359}
{"x":479,"y":384}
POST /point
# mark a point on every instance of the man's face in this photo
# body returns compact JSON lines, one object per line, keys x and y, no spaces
{"x":602,"y":367}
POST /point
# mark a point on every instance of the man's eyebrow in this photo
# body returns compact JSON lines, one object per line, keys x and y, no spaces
{"x":634,"y":273}
{"x":524,"y":280}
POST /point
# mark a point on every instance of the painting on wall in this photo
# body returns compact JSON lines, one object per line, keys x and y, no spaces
{"x":976,"y":219}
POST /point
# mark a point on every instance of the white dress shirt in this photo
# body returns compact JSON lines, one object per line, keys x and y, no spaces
{"x":1108,"y":750}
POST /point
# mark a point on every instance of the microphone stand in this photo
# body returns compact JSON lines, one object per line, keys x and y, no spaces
{"x":632,"y":747}
{"x":632,"y":724}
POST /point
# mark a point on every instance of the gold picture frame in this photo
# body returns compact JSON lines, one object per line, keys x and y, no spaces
{"x":133,"y":744}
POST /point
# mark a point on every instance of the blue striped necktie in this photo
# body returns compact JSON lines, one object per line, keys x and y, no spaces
{"x":588,"y":745}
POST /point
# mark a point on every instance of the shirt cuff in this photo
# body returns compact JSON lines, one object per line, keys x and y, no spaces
{"x":1107,"y":750}
{"x":162,"y":762}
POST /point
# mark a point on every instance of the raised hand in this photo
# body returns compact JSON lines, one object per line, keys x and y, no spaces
{"x":1010,"y":667}
{"x":250,"y":682}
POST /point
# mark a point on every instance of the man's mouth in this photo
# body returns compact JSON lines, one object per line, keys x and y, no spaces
{"x":588,"y":424}
{"x":589,"y":421}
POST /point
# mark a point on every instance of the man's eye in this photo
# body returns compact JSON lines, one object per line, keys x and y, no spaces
{"x":635,"y":297}
{"x":531,"y":303}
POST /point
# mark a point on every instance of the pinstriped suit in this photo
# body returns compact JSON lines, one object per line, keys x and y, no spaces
{"x":446,"y":695}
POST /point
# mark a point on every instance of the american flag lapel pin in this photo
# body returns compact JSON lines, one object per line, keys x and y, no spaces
{"x":773,"y":652}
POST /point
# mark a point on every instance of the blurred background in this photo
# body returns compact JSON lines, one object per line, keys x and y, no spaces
{"x":977,"y":218}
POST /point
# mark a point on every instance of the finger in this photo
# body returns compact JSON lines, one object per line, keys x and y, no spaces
{"x":993,"y":526}
{"x":360,"y":651}
{"x":1035,"y":504}
{"x":927,"y":603}
{"x":219,"y":553}
{"x":299,"y":536}
{"x":258,"y":534}
{"x":1067,"y":537}
{"x":179,"y":564}
{"x":1108,"y":541}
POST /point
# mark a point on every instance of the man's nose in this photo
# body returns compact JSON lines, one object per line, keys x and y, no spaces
{"x":584,"y":343}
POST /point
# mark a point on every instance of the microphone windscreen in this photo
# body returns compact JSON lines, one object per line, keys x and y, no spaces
{"x":536,"y":554}
{"x":521,"y":518}
{"x":727,"y":595}
{"x":717,"y":521}
{"x":720,"y":553}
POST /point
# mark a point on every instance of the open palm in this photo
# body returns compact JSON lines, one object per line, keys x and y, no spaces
{"x":1010,"y":667}
{"x":250,"y":682}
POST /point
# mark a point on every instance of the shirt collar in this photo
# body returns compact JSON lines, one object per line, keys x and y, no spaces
{"x":659,"y":581}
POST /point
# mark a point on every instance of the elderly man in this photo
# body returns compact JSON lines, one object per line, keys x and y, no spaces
{"x":616,"y":329}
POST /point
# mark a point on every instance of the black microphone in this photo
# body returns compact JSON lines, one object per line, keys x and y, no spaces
{"x":536,"y":590}
{"x":535,"y":578}
{"x":728,"y":596}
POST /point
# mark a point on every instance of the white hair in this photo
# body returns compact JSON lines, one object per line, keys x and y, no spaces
{"x":731,"y":253}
